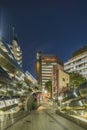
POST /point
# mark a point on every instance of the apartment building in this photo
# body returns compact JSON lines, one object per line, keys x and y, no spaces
{"x":78,"y":62}
{"x":44,"y":66}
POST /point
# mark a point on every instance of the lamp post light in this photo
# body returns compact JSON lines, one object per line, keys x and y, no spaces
{"x":60,"y":100}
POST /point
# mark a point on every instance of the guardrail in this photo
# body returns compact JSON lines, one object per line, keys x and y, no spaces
{"x":8,"y":119}
{"x":81,"y":122}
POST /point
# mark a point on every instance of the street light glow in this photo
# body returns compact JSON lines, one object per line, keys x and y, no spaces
{"x":60,"y":98}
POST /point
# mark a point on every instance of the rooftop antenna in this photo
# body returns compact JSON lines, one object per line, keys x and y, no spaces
{"x":1,"y":23}
{"x":13,"y":28}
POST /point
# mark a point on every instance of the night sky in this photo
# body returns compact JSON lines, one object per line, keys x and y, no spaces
{"x":52,"y":27}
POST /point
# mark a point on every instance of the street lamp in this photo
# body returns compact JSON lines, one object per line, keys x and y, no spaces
{"x":60,"y":100}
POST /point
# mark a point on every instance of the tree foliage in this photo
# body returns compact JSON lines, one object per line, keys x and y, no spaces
{"x":76,"y":79}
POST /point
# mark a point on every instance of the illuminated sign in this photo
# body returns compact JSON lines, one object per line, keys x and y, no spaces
{"x":49,"y":59}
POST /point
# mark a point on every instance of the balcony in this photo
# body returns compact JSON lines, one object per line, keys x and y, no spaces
{"x":75,"y":59}
{"x":68,"y":67}
{"x":83,"y":73}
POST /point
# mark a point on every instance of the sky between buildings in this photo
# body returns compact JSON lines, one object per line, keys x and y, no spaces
{"x":52,"y":27}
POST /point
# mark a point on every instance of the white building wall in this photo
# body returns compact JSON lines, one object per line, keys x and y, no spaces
{"x":77,"y":64}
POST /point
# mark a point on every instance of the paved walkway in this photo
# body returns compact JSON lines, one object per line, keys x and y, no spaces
{"x":44,"y":119}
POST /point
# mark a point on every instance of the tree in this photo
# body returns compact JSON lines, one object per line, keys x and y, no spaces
{"x":76,"y":79}
{"x":48,"y":86}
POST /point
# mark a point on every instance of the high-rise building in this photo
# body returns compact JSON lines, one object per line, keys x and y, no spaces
{"x":16,"y":50}
{"x":78,"y":62}
{"x":7,"y":59}
{"x":44,"y":66}
{"x":38,"y":68}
